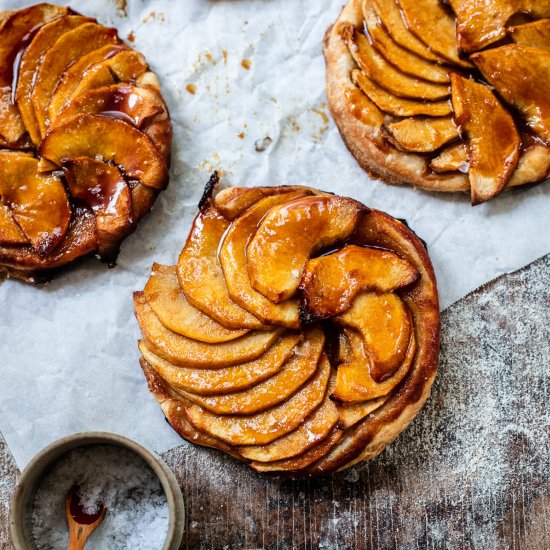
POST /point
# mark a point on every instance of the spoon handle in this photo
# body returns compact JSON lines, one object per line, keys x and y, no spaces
{"x":78,"y":535}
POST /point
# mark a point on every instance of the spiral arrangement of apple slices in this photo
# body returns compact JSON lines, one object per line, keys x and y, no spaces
{"x":299,"y":331}
{"x":85,"y":140}
{"x":446,"y":96}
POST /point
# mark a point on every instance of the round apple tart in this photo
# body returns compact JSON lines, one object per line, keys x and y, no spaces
{"x":298,"y":332}
{"x":85,"y":140}
{"x":445,"y":96}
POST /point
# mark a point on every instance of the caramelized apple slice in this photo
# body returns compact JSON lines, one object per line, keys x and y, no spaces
{"x":173,"y":406}
{"x":38,"y":202}
{"x":234,"y":201}
{"x":174,"y":411}
{"x":42,"y":41}
{"x":265,"y":427}
{"x":167,"y":300}
{"x":452,"y":158}
{"x":384,"y":73}
{"x":363,"y":109}
{"x":351,"y":413}
{"x":493,"y":141}
{"x":119,"y":64}
{"x":74,"y":74}
{"x":521,"y":75}
{"x":390,"y":16}
{"x":432,"y":23}
{"x":201,"y":277}
{"x":190,"y":353}
{"x":536,"y":34}
{"x":142,"y":199}
{"x":134,"y":105}
{"x":130,"y":65}
{"x":17,"y":30}
{"x":481,"y":24}
{"x":67,"y":49}
{"x":406,"y":61}
{"x":102,"y":187}
{"x":398,"y":106}
{"x":10,"y":232}
{"x":98,"y":76}
{"x":314,"y":429}
{"x":233,"y":259}
{"x":421,"y":135}
{"x":140,"y":107}
{"x":80,"y":240}
{"x":290,"y":233}
{"x":354,"y":380}
{"x":296,"y":464}
{"x":112,"y":141}
{"x":330,"y":283}
{"x":294,"y":374}
{"x":12,"y":128}
{"x":384,"y":324}
{"x":226,"y":380}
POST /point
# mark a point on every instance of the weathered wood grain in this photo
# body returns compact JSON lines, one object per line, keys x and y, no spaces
{"x":472,"y":471}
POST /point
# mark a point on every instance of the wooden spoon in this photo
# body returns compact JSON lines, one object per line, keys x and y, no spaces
{"x":81,"y":524}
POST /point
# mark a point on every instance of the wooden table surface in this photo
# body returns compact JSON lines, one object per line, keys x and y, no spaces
{"x":472,"y":471}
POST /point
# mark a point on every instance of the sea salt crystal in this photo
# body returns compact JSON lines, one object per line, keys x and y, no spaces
{"x":137,"y":509}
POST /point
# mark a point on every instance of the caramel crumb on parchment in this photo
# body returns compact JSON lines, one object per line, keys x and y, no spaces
{"x":154,"y":16}
{"x":246,"y":64}
{"x":191,"y":88}
{"x":121,"y":6}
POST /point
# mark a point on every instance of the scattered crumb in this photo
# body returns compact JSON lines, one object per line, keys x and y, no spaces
{"x":209,"y":165}
{"x":262,"y":144}
{"x":209,"y":58}
{"x":121,"y":6}
{"x":224,"y":53}
{"x":154,"y":15}
{"x":321,"y":113}
{"x":131,"y":37}
{"x":246,"y":64}
{"x":191,"y":88}
{"x":318,"y":135}
{"x":241,"y":135}
{"x":293,"y":124}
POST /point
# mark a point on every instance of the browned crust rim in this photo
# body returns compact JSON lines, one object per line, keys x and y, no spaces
{"x":388,"y":164}
{"x":371,"y":435}
{"x":24,"y":263}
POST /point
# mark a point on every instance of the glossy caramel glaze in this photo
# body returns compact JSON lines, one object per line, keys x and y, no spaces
{"x":290,"y":234}
{"x":287,"y":396}
{"x":406,"y":126}
{"x":82,"y":126}
{"x":331,"y":282}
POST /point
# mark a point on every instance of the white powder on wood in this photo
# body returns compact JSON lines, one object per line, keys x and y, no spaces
{"x":137,"y":510}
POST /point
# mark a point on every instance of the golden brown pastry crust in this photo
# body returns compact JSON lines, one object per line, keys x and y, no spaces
{"x":364,"y":427}
{"x":77,"y":99}
{"x":377,"y":157}
{"x":364,"y":135}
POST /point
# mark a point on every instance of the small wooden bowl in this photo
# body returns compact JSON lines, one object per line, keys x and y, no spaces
{"x":23,"y":496}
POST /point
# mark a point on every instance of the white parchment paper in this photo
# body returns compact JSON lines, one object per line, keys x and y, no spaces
{"x":68,"y":354}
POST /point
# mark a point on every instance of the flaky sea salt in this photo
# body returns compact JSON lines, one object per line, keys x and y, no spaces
{"x":137,"y":509}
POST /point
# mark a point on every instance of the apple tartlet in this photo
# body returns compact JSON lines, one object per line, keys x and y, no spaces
{"x":445,"y":96}
{"x":298,"y":332}
{"x":85,"y":140}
